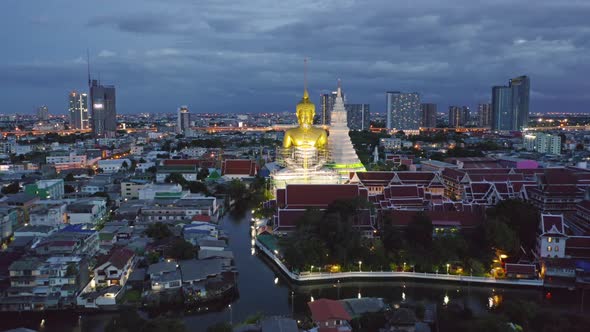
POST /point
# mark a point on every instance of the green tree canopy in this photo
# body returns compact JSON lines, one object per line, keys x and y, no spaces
{"x":158,"y":231}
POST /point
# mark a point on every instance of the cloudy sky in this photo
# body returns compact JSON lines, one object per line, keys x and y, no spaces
{"x":247,"y":55}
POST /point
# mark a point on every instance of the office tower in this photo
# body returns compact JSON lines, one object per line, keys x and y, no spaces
{"x":78,"y":109}
{"x":103,"y":109}
{"x":485,"y":115}
{"x":543,"y":143}
{"x":455,"y":116}
{"x":183,"y":120}
{"x":403,"y":110}
{"x":359,"y":116}
{"x":466,"y":116}
{"x":428,"y":115}
{"x":327,"y":102}
{"x":43,"y":113}
{"x":510,"y":104}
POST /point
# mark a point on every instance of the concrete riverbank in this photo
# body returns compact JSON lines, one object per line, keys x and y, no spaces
{"x":319,"y":276}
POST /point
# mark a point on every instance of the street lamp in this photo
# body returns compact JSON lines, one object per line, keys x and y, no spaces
{"x":404,"y":270}
{"x":360,"y":263}
{"x":311,"y":269}
{"x":448,"y":266}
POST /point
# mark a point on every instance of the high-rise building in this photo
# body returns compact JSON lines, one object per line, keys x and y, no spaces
{"x":359,"y":116}
{"x":466,"y":116}
{"x":103,"y":109}
{"x":78,"y":110}
{"x":327,"y":102}
{"x":543,"y":143}
{"x":484,"y":112}
{"x":183,"y":120}
{"x":455,"y":116}
{"x":510,"y":104}
{"x":428,"y":115}
{"x":403,"y":110}
{"x":43,"y":113}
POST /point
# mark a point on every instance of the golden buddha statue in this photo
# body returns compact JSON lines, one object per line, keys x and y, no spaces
{"x":305,"y":135}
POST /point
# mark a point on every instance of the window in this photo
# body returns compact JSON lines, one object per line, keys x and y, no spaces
{"x":556,"y":248}
{"x":557,"y":240}
{"x":548,"y":248}
{"x":550,"y":239}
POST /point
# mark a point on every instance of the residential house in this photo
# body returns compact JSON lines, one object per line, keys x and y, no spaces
{"x":46,"y":189}
{"x":48,"y":215}
{"x":329,"y":315}
{"x":116,"y":269}
{"x":164,"y":275}
{"x":87,"y":211}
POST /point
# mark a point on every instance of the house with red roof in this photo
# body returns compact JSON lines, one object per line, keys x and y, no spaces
{"x":330,"y":315}
{"x":239,"y":169}
{"x":116,"y":269}
{"x":295,"y":199}
{"x":551,"y":241}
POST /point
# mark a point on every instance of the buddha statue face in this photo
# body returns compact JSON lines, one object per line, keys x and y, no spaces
{"x":305,"y":112}
{"x":305,"y":117}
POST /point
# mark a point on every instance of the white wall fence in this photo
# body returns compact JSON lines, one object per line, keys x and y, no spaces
{"x":328,"y":276}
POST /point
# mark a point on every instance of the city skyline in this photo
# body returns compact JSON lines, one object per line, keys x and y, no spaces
{"x":244,"y":54}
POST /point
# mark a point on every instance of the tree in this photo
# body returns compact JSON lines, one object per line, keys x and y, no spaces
{"x":198,"y":187}
{"x":521,"y":217}
{"x":501,"y":237}
{"x":69,"y":189}
{"x":125,"y":165}
{"x":176,"y":178}
{"x":69,"y":177}
{"x":203,"y":173}
{"x":158,"y":231}
{"x":12,"y":188}
{"x":419,"y":231}
{"x":181,"y":249}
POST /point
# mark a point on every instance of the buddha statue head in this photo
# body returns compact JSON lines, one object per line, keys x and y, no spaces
{"x":305,"y":111}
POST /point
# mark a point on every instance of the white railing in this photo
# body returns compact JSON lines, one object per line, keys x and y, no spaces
{"x":327,"y":276}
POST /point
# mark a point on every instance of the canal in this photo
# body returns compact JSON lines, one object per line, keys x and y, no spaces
{"x":263,"y":289}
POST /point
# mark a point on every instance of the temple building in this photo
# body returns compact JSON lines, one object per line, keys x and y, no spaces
{"x":342,"y":156}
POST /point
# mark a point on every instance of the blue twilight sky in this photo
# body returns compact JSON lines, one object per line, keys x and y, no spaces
{"x":247,"y":55}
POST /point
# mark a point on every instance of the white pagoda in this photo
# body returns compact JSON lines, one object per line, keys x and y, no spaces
{"x":342,"y":155}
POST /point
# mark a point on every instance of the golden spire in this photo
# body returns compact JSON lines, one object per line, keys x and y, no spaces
{"x":305,"y":93}
{"x":305,"y":104}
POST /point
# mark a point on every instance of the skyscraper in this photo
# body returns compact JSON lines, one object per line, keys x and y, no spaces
{"x":78,"y":109}
{"x":42,"y":113}
{"x":510,"y":104}
{"x":183,"y":120}
{"x":466,"y":116}
{"x":103,"y":109}
{"x":403,"y":110}
{"x":455,"y":116}
{"x":485,"y":115}
{"x":327,"y":102}
{"x":428,"y":115}
{"x":359,"y":116}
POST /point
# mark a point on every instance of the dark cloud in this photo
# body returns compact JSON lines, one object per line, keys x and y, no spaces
{"x":247,"y":55}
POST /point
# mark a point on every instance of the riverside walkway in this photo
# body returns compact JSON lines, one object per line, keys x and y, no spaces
{"x":327,"y":276}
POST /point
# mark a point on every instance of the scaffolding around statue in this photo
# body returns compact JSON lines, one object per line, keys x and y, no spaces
{"x":303,"y":165}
